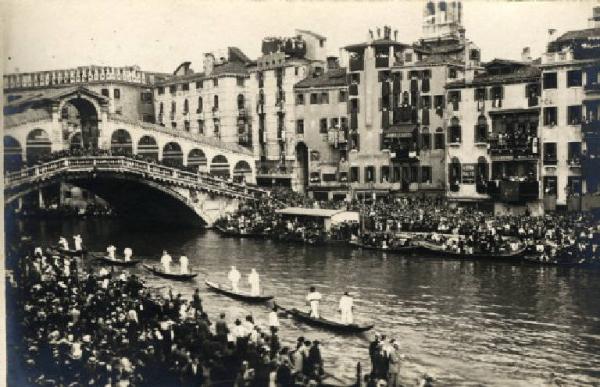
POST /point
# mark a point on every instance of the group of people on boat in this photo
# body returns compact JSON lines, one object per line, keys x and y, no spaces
{"x":166,"y":260}
{"x":100,"y":328}
{"x":63,"y":243}
{"x":234,"y":277}
{"x":346,"y":305}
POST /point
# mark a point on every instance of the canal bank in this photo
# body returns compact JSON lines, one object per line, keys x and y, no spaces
{"x":464,"y":322}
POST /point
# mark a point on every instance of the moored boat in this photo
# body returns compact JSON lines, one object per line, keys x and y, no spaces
{"x":539,"y":260}
{"x":243,"y":296}
{"x":398,"y":249}
{"x":173,"y":276}
{"x":438,"y":249}
{"x":238,"y":234}
{"x":69,"y":252}
{"x":117,"y":262}
{"x":325,"y":322}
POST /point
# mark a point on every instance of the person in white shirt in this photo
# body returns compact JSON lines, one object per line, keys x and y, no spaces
{"x":313,"y":299}
{"x":234,"y":276}
{"x":165,"y":261}
{"x":111,"y":251}
{"x":78,"y":242}
{"x":127,"y":253}
{"x":346,"y":305}
{"x":254,"y":281}
{"x":62,"y":242}
{"x":183,"y":265}
{"x":273,"y":319}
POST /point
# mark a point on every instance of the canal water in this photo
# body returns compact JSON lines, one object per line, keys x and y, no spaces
{"x":466,"y":323}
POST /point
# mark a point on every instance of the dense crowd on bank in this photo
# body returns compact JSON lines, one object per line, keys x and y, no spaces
{"x":392,"y":222}
{"x":104,"y":329}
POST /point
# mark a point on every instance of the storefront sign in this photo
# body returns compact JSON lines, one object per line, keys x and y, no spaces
{"x":468,"y":174}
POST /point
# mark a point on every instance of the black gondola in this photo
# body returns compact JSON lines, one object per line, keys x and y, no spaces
{"x":325,"y":322}
{"x":237,"y":234}
{"x":399,"y":249}
{"x":171,"y":276}
{"x":117,"y":262}
{"x":242,"y":296}
{"x":437,"y":249}
{"x":69,"y":252}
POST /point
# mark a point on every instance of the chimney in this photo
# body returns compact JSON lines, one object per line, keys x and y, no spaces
{"x":396,"y":35}
{"x":332,"y":63}
{"x":209,"y":64}
{"x":526,"y":55}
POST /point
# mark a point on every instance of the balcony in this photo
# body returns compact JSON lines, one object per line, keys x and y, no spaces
{"x":592,"y":88}
{"x":505,"y":152}
{"x":399,"y":154}
{"x":591,"y":127}
{"x":357,"y":64}
{"x":514,"y":191}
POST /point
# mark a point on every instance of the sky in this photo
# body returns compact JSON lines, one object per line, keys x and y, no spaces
{"x":158,"y":35}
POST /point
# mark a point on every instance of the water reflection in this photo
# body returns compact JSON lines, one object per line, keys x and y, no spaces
{"x":466,"y":322}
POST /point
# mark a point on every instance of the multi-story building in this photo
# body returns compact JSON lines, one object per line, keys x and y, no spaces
{"x":212,"y":103}
{"x":570,"y":69}
{"x":322,"y":126}
{"x":128,"y":89}
{"x":397,"y":100}
{"x":493,"y":139}
{"x":282,"y":160}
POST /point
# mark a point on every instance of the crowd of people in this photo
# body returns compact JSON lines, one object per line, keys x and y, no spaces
{"x":84,"y":328}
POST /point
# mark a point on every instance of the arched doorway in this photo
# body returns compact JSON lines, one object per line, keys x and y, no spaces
{"x":38,"y":145}
{"x":147,"y":148}
{"x":302,"y":162}
{"x":81,"y":115}
{"x":120,"y":143}
{"x":219,"y":166}
{"x":172,"y":155}
{"x":197,"y":160}
{"x":241,"y":171}
{"x":76,"y":142}
{"x":454,"y":174}
{"x":13,"y":154}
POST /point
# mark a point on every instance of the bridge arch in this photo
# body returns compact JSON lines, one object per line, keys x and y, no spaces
{"x":219,"y":166}
{"x":242,"y":171}
{"x":13,"y":154}
{"x":120,"y":142}
{"x":147,"y":148}
{"x":86,"y":119}
{"x":38,"y":145}
{"x":196,"y":159}
{"x":172,"y":154}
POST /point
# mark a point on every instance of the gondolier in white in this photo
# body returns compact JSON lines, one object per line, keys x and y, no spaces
{"x":62,"y":242}
{"x":313,"y":299}
{"x":346,"y":306}
{"x":183,"y":265}
{"x":165,"y":261}
{"x":127,"y":253}
{"x":78,"y":242}
{"x":111,"y":251}
{"x":254,"y":281}
{"x":234,"y":276}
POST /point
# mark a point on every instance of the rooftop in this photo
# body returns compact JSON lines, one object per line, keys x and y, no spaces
{"x":502,"y":71}
{"x":331,"y":78}
{"x":377,"y":42}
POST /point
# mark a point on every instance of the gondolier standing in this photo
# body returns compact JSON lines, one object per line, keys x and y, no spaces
{"x":346,"y":306}
{"x":127,"y":253}
{"x":254,"y":281}
{"x":313,"y":299}
{"x":166,"y":260}
{"x":62,"y":242}
{"x":111,"y":251}
{"x":183,"y":265}
{"x":78,"y":242}
{"x":234,"y":276}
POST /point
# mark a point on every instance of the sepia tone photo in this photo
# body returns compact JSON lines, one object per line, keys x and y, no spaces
{"x":301,"y":193}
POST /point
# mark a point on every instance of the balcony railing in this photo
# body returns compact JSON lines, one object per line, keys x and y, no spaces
{"x":513,"y":191}
{"x":592,"y":87}
{"x":590,"y":127}
{"x":514,"y":152}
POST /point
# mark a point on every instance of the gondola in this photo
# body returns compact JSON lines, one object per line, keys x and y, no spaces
{"x":402,"y":249}
{"x":243,"y":296}
{"x":437,"y":249}
{"x":117,"y":262}
{"x":69,"y":252}
{"x":235,"y":233}
{"x":171,"y":276}
{"x":324,"y":322}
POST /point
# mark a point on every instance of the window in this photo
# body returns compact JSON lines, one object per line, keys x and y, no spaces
{"x":496,"y":95}
{"x":550,"y":116}
{"x":408,"y":57}
{"x":199,"y":110}
{"x":574,"y":153}
{"x":480,"y":94}
{"x":241,"y":101}
{"x":343,"y":96}
{"x":173,"y":125}
{"x":117,"y":93}
{"x":573,"y":78}
{"x":216,"y":102}
{"x":185,"y":86}
{"x":384,"y":174}
{"x":426,"y":102}
{"x":314,"y":98}
{"x":296,"y":70}
{"x":574,"y":115}
{"x":574,"y":185}
{"x":186,"y":125}
{"x":160,"y":108}
{"x":454,"y":99}
{"x":215,"y":82}
{"x":354,"y":108}
{"x":550,"y":184}
{"x":474,"y":54}
{"x":438,"y":101}
{"x":199,"y":84}
{"x":354,"y":174}
{"x":426,"y":175}
{"x":146,"y":96}
{"x":369,"y":174}
{"x":300,"y":126}
{"x":173,"y":107}
{"x":173,"y":89}
{"x":161,"y":91}
{"x":439,"y":142}
{"x":481,"y":129}
{"x":452,"y":73}
{"x":106,"y":92}
{"x":201,"y":126}
{"x":550,"y":153}
{"x":454,"y":131}
{"x":299,"y":99}
{"x":334,"y":122}
{"x":240,"y":82}
{"x":425,"y":141}
{"x":325,"y":97}
{"x":186,"y":106}
{"x":323,"y":126}
{"x":549,"y":81}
